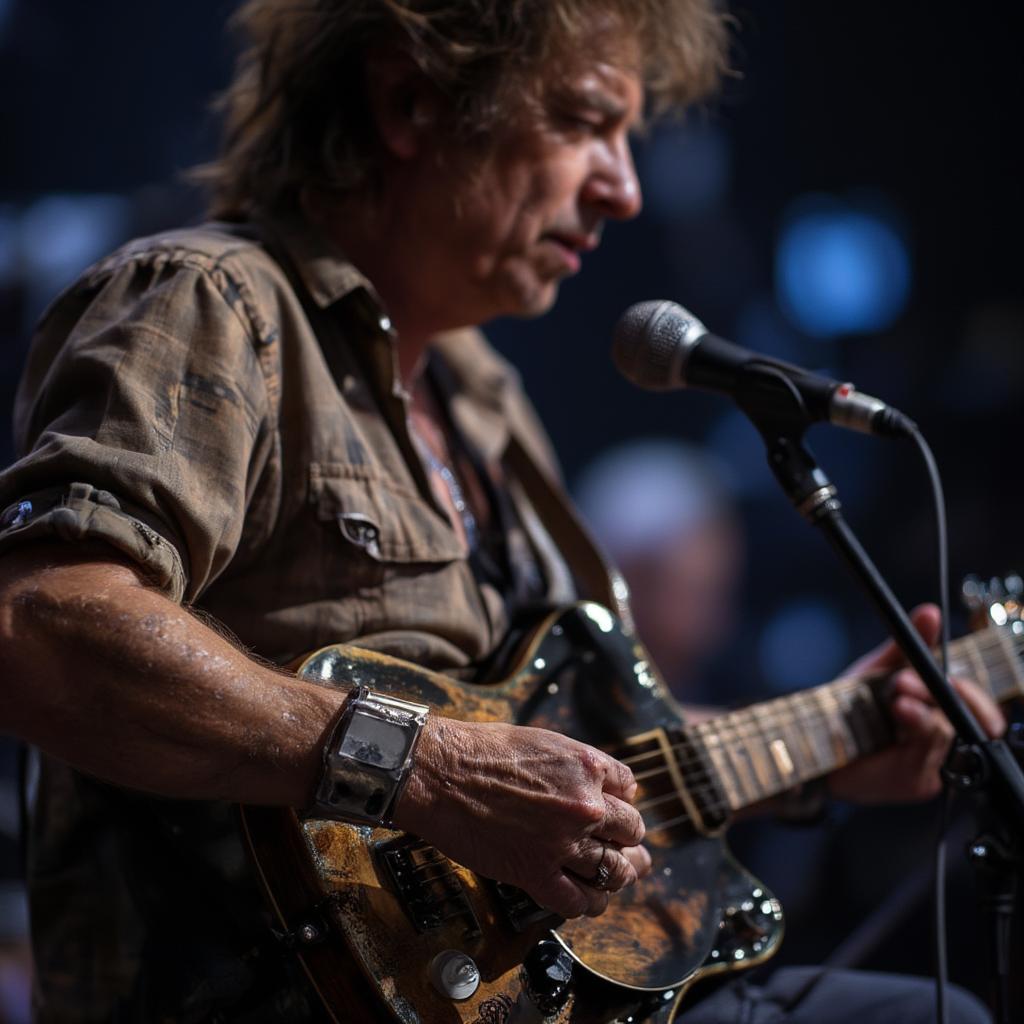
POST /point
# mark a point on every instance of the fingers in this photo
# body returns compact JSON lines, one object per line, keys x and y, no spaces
{"x":622,"y":823}
{"x":573,"y":891}
{"x":914,"y":707}
{"x":639,"y":857}
{"x":618,"y":779}
{"x":564,"y":894}
{"x":601,"y":866}
{"x":984,"y":708}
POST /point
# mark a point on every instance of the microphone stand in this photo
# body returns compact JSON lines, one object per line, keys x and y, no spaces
{"x":984,"y":768}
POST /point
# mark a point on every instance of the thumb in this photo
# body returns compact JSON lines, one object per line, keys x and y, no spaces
{"x":927,"y":620}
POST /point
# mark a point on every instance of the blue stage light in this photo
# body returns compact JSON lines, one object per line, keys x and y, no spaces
{"x":841,"y":268}
{"x":62,"y":234}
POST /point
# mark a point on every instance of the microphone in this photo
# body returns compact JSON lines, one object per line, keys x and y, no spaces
{"x":660,"y":346}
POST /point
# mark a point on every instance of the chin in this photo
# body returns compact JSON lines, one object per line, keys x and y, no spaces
{"x":537,"y":301}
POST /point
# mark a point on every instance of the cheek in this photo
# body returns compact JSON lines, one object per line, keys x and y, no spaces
{"x":538,"y":194}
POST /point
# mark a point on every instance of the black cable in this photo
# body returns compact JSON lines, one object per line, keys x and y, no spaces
{"x":941,"y":952}
{"x":781,"y":374}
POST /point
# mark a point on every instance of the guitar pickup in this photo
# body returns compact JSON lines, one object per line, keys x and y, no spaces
{"x":427,"y":885}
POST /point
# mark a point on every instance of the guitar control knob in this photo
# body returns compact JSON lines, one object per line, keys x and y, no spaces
{"x":547,"y":974}
{"x":454,"y":974}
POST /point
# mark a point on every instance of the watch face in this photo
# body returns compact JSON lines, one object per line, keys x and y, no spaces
{"x":372,"y":740}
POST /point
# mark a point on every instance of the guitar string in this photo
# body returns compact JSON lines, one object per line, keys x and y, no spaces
{"x":748,"y":782}
{"x":696,"y":763}
{"x":767,"y":709}
{"x":767,"y":716}
{"x":747,"y":778}
{"x":754,"y":727}
{"x":691,"y":762}
{"x":739,"y":729}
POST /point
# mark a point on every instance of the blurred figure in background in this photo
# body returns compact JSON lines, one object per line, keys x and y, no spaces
{"x":664,"y":513}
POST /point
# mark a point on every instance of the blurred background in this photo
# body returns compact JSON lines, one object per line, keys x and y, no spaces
{"x":852,"y":202}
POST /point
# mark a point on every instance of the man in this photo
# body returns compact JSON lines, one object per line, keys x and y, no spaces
{"x":662,"y":512}
{"x":278,"y":423}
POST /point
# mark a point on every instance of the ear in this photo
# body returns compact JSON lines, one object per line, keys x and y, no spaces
{"x":404,"y":105}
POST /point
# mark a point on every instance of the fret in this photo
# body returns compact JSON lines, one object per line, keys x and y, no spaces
{"x":776,"y":765}
{"x":1014,"y":678}
{"x":992,"y":658}
{"x":736,"y":749}
{"x":960,"y":661}
{"x":870,"y":727}
{"x":696,"y":780}
{"x":978,"y":670}
{"x":747,"y":733}
{"x":843,"y":745}
{"x":727,"y":744}
{"x":717,"y":756}
{"x":767,"y":748}
{"x":805,"y":734}
{"x":813,"y":723}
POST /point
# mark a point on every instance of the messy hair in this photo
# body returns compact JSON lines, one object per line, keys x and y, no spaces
{"x":296,"y":111}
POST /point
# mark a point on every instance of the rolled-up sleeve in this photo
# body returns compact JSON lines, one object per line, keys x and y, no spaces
{"x":142,"y":419}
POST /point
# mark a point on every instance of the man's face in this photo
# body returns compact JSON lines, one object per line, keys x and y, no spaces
{"x":500,"y":233}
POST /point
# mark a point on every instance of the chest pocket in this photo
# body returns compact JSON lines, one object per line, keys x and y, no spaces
{"x":376,"y":520}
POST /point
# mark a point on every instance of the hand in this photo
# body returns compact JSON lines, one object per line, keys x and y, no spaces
{"x":528,"y":807}
{"x":909,"y":770}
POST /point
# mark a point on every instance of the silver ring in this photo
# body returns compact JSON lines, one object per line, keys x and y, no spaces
{"x":603,"y":873}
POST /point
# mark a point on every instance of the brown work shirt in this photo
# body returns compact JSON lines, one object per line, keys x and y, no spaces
{"x":221,"y":405}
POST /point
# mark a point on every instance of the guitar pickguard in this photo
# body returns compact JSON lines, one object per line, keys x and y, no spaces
{"x":398,"y":904}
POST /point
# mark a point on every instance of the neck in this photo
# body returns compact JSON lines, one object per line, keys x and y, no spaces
{"x":364,"y":230}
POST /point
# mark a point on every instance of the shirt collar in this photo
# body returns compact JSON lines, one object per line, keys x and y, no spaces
{"x":324,"y":269}
{"x":479,"y":377}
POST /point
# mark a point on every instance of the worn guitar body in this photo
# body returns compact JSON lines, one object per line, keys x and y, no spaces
{"x":369,"y":910}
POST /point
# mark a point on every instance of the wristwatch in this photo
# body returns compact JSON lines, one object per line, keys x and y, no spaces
{"x":368,"y":758}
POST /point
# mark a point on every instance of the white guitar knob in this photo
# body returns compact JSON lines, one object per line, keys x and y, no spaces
{"x":454,"y":974}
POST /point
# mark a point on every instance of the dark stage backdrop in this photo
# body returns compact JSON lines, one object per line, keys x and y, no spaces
{"x":852,"y":202}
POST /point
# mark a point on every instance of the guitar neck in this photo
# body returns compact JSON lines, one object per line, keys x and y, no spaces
{"x":765,"y":749}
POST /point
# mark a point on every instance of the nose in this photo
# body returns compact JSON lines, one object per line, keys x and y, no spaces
{"x":613,"y":186}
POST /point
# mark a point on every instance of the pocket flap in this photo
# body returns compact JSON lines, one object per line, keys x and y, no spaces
{"x":386,"y":521}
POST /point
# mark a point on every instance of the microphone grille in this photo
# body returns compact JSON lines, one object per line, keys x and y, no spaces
{"x":650,"y":343}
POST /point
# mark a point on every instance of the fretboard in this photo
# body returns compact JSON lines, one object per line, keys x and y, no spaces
{"x":765,"y":749}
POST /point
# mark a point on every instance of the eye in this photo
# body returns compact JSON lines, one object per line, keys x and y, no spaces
{"x":581,"y":120}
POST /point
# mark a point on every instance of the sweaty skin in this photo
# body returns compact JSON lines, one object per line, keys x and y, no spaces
{"x":128,"y":686}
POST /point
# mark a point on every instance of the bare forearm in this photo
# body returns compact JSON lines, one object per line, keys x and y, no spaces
{"x":123,"y":683}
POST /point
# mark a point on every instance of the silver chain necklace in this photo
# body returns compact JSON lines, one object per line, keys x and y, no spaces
{"x":455,"y":492}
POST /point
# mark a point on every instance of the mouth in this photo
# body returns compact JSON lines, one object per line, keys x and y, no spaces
{"x":571,"y":245}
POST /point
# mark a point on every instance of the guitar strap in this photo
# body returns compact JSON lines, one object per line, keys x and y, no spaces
{"x":595,"y":579}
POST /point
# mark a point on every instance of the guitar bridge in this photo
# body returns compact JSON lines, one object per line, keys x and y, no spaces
{"x":428,"y":885}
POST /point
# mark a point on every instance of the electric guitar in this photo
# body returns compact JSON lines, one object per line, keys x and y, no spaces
{"x":389,"y":929}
